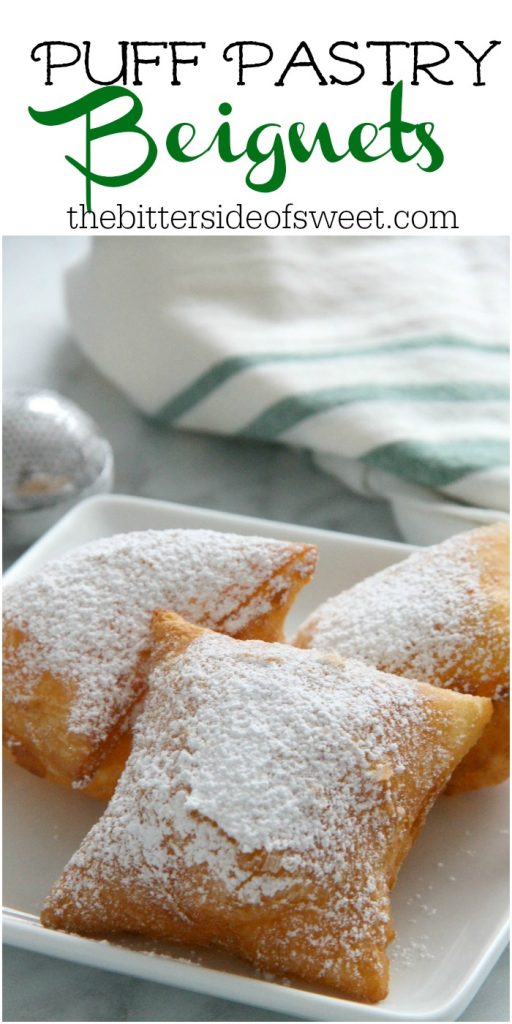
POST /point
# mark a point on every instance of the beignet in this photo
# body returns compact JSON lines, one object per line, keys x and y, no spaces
{"x":76,"y":636}
{"x":442,"y":616}
{"x":269,"y":799}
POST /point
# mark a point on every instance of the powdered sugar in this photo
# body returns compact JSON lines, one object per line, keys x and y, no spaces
{"x":271,"y":767}
{"x":87,"y":614}
{"x":297,"y":749}
{"x":428,"y":616}
{"x":409,"y":954}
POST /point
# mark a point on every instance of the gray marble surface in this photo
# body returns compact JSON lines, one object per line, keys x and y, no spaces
{"x":234,"y":476}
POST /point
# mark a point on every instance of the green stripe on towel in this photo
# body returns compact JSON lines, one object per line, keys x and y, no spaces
{"x":288,"y":412}
{"x":438,"y":464}
{"x":223,"y":371}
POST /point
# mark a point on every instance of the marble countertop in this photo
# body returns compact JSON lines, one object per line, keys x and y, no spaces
{"x":234,"y":476}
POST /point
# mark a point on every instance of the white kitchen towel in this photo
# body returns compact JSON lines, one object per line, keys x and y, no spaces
{"x":386,"y":357}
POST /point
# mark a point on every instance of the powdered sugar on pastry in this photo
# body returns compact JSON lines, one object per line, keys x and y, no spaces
{"x":245,"y":752}
{"x":429,"y":616}
{"x":268,"y":801}
{"x":266,"y":780}
{"x":85,"y":618}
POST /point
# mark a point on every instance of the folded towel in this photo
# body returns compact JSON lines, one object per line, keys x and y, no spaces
{"x":386,"y":357}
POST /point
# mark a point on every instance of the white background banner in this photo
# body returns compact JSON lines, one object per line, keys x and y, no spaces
{"x":471,"y":121}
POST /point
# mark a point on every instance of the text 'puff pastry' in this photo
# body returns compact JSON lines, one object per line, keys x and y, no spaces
{"x":269,"y":799}
{"x":76,"y":635}
{"x":442,"y":616}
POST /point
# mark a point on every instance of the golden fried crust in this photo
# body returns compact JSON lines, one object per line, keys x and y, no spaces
{"x":104,"y":780}
{"x":463,"y":646}
{"x":488,"y":762}
{"x":36,"y":731}
{"x":42,"y":705}
{"x":491,"y":547}
{"x":210,"y":843}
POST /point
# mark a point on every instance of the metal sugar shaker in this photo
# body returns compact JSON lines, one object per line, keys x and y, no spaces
{"x":53,"y":456}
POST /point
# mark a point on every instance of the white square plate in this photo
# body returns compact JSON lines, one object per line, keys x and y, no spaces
{"x":450,"y":904}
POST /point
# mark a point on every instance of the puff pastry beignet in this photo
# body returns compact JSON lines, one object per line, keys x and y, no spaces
{"x":269,"y":799}
{"x":76,"y":635}
{"x":441,"y":616}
